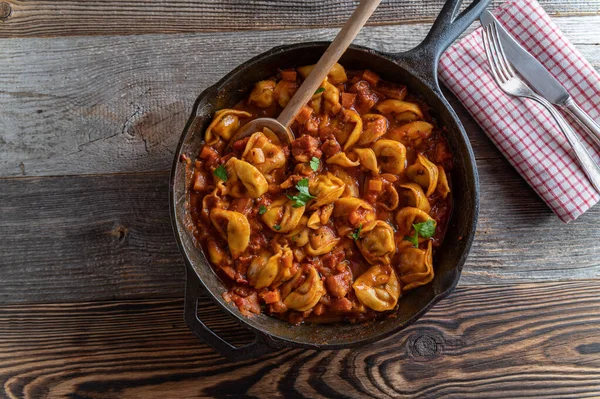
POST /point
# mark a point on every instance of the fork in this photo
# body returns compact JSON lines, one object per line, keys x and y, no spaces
{"x":511,"y":84}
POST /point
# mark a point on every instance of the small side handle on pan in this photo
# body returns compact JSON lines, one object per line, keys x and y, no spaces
{"x":446,"y":29}
{"x":193,"y":291}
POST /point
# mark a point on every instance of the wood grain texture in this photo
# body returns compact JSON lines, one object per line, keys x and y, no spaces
{"x":81,"y":105}
{"x":536,"y":340}
{"x":104,"y":237}
{"x":99,"y":17}
{"x":85,"y":238}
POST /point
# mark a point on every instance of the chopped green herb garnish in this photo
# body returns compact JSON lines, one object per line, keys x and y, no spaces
{"x":277,"y":227}
{"x":221,"y":172}
{"x":320,"y":90}
{"x":303,"y":194}
{"x":262,"y":209}
{"x":356,"y":234}
{"x":425,"y":229}
{"x":302,"y":186}
{"x":414,"y":239}
{"x":314,"y":163}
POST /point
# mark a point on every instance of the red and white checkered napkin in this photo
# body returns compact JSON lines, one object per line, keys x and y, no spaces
{"x":521,"y":129}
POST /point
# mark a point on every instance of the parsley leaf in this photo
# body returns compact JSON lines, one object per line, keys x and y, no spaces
{"x":314,"y":163}
{"x":302,"y":187}
{"x":320,"y":90}
{"x":277,"y":227}
{"x":425,"y":229}
{"x":262,"y":209}
{"x":221,"y":172}
{"x":414,"y":239}
{"x":356,"y":235}
{"x":303,"y":194}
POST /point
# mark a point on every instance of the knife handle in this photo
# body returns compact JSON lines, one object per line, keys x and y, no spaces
{"x":591,"y":168}
{"x":584,"y":120}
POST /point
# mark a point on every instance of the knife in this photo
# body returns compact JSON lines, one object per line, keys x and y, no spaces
{"x":540,"y":79}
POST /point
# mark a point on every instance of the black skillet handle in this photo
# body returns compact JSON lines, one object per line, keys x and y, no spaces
{"x":193,"y":291}
{"x":445,"y":30}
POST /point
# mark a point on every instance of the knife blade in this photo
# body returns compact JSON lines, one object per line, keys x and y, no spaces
{"x":540,"y":79}
{"x":527,"y":65}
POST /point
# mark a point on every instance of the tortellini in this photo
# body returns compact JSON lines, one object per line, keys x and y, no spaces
{"x":398,"y":107}
{"x":299,"y":235}
{"x":224,"y":124}
{"x":391,"y":155}
{"x":263,"y":154}
{"x":284,"y":91}
{"x":314,"y":221}
{"x":353,"y":117}
{"x":442,"y":186}
{"x":378,"y":288}
{"x":425,"y":173}
{"x":216,"y":199}
{"x":244,"y":180}
{"x":281,"y":216}
{"x":234,"y":228}
{"x":326,"y":188}
{"x":346,"y":128}
{"x":376,"y":242}
{"x":411,"y":131}
{"x":336,"y":75}
{"x":416,"y":267}
{"x":307,"y":294}
{"x":415,"y":196}
{"x":341,"y":159}
{"x":406,"y":117}
{"x":330,"y":98}
{"x":320,"y":217}
{"x":355,"y":210}
{"x":216,"y":254}
{"x":321,"y":241}
{"x":374,"y":126}
{"x":408,"y":216}
{"x":388,"y":198}
{"x":270,"y":270}
{"x":351,"y":189}
{"x":262,"y":94}
{"x":367,"y":159}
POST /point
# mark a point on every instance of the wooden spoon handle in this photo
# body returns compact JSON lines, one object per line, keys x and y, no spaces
{"x":329,"y":58}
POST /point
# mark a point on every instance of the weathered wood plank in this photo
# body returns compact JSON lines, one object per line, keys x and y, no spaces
{"x":84,"y":238}
{"x":535,"y":340}
{"x":104,"y":237}
{"x":118,"y":104}
{"x":100,"y":17}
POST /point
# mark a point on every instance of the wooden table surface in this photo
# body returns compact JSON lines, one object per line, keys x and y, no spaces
{"x":93,"y":98}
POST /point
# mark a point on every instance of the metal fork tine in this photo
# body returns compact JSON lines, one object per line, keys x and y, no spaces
{"x":506,"y":67}
{"x":490,"y":57}
{"x":501,"y":68}
{"x":494,"y":54}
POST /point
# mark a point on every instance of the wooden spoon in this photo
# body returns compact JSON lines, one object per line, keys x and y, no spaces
{"x":281,"y":125}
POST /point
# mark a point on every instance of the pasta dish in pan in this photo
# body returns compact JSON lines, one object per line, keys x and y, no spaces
{"x":337,"y":225}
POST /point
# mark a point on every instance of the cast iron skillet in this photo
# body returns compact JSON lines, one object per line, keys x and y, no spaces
{"x":417,"y":69}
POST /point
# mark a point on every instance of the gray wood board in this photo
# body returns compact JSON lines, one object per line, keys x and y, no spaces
{"x":106,"y":104}
{"x":525,"y":340}
{"x":79,"y":17}
{"x":99,"y":237}
{"x":93,"y":238}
